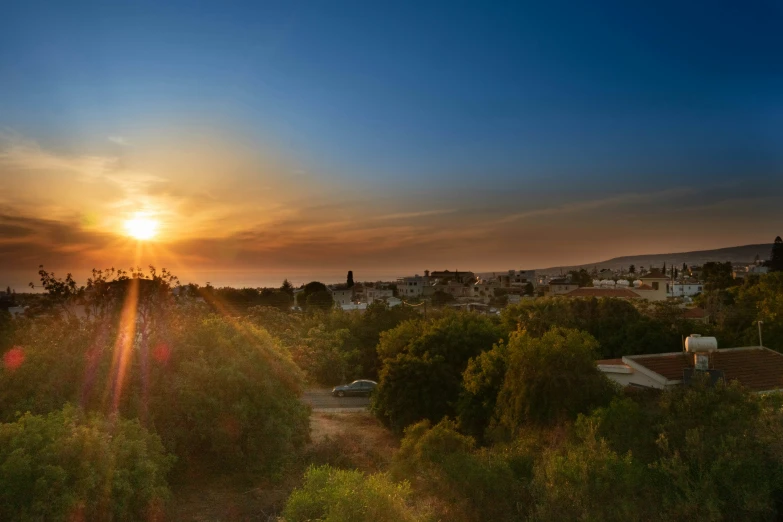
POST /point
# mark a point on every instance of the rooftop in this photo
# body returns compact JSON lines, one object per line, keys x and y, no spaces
{"x":603,"y":292}
{"x":755,"y":367}
{"x":694,"y":313}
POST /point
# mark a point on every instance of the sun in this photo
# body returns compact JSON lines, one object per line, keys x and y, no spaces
{"x":141,"y":227}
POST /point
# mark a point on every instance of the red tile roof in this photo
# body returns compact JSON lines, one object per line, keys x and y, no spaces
{"x":694,"y":313}
{"x":757,"y":368}
{"x":603,"y":292}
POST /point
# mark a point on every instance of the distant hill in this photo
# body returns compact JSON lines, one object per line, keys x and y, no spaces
{"x":738,"y":254}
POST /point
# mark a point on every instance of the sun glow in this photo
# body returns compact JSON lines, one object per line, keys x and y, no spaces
{"x":141,"y":227}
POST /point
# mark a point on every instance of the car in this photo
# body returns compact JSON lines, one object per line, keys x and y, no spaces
{"x":356,"y":388}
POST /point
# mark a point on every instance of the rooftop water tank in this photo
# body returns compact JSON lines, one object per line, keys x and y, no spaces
{"x":697,"y":343}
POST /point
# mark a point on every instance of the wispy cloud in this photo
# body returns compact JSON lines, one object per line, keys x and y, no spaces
{"x":119,"y":140}
{"x":595,"y":204}
{"x":412,"y":215}
{"x":27,"y":155}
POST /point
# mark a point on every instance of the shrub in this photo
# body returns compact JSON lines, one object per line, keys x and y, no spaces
{"x":476,"y":485}
{"x":69,"y":465}
{"x":588,"y":481}
{"x":230,"y":393}
{"x":334,"y":495}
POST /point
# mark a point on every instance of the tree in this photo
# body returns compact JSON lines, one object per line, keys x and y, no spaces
{"x":581,"y":277}
{"x":69,"y":465}
{"x":309,"y":289}
{"x":321,"y":300}
{"x":529,"y":289}
{"x":663,"y":270}
{"x":676,"y":272}
{"x":717,"y":276}
{"x":776,"y":256}
{"x":349,"y":282}
{"x":586,"y":480}
{"x":8,"y":290}
{"x":441,"y":298}
{"x":287,"y":287}
{"x":684,"y":267}
{"x":423,"y":380}
{"x":632,"y":269}
{"x":477,"y":485}
{"x":550,"y":378}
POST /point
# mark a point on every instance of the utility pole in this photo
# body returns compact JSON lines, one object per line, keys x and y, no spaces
{"x":760,"y":342}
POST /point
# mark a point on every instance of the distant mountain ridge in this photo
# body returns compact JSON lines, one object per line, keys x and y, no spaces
{"x":737,"y":254}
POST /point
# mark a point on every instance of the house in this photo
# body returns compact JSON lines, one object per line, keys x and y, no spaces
{"x":413,"y":286}
{"x":376,"y":293}
{"x":755,"y":367}
{"x":342,"y":295}
{"x":445,"y":275}
{"x":685,"y":289}
{"x":560,"y":287}
{"x":622,"y":293}
{"x":517,"y":278}
{"x":654,"y":286}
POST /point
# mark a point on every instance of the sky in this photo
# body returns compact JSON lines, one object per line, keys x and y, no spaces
{"x":305,"y":139}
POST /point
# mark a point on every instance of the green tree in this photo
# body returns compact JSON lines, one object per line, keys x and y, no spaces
{"x":287,"y":288}
{"x":423,"y":380}
{"x":550,"y":378}
{"x":481,"y":383}
{"x":717,"y":276}
{"x":309,"y":289}
{"x":776,"y":256}
{"x":588,"y":481}
{"x":714,"y":464}
{"x":581,"y":277}
{"x":632,"y":269}
{"x":476,"y":485}
{"x":441,"y":298}
{"x":69,"y":465}
{"x":349,"y":280}
{"x":334,"y":495}
{"x":321,"y":300}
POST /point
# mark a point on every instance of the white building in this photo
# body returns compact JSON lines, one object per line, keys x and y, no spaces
{"x":685,"y":289}
{"x":412,"y":286}
{"x":342,"y":295}
{"x":375,"y":293}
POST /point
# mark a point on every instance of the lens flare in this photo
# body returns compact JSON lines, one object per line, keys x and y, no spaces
{"x":141,"y":227}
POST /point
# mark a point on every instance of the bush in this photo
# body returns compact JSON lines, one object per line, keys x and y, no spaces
{"x":346,"y":496}
{"x":715,"y":460}
{"x":230,"y":393}
{"x":69,"y":465}
{"x":589,"y":481}
{"x":476,"y":485}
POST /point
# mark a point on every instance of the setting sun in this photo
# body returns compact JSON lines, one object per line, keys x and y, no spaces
{"x":141,"y":227}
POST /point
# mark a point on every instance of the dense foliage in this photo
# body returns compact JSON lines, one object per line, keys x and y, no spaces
{"x":69,"y":465}
{"x":332,"y":495}
{"x":424,"y":378}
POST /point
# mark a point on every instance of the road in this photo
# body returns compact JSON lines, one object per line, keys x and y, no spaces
{"x":322,"y":400}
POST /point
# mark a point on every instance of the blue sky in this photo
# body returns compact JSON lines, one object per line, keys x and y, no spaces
{"x":479,"y":111}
